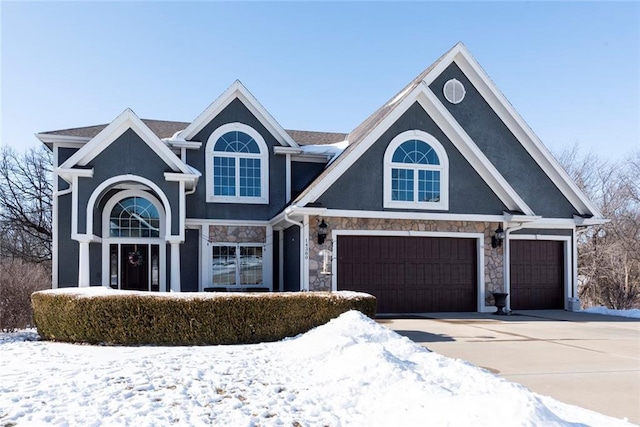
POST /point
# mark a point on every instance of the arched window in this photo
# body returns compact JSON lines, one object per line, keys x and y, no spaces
{"x":416,"y":172}
{"x":134,"y":217}
{"x":237,"y":165}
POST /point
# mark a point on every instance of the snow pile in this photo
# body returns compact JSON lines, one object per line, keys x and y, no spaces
{"x":350,"y":371}
{"x":632,"y":313}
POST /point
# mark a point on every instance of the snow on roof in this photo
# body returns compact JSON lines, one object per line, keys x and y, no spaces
{"x":332,"y":151}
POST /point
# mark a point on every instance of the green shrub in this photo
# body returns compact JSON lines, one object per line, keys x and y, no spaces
{"x":132,"y":318}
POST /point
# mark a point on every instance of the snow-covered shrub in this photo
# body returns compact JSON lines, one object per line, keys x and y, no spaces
{"x":18,"y":280}
{"x":99,"y":315}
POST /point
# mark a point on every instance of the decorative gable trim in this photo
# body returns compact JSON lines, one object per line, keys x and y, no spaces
{"x":515,"y":123}
{"x":463,"y":142}
{"x":239,"y":91}
{"x":126,"y":120}
{"x":451,"y":129}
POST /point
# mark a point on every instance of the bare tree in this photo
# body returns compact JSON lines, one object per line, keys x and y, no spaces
{"x":609,"y":254}
{"x":25,"y":204}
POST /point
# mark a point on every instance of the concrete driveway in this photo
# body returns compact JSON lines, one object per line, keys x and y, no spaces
{"x":588,"y":360}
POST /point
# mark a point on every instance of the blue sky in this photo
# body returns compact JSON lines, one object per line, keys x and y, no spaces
{"x":569,"y":68}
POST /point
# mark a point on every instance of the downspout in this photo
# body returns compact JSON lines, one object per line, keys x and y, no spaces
{"x":287,"y":212}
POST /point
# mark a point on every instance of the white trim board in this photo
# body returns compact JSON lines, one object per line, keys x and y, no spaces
{"x":515,"y":123}
{"x":126,"y":120}
{"x":239,"y":91}
{"x":505,"y":111}
{"x":463,"y":143}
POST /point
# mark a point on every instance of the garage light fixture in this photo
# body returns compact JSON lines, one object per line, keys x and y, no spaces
{"x":498,"y":237}
{"x":322,"y":232}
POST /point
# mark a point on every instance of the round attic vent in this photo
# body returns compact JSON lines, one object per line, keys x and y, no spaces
{"x":454,"y":91}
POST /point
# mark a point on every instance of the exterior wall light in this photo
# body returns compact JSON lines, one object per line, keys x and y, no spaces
{"x":498,"y":237}
{"x":322,"y":232}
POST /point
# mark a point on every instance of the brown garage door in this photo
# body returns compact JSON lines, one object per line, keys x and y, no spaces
{"x":537,"y":274}
{"x":410,"y":274}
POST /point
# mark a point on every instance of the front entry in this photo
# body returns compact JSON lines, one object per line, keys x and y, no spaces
{"x":134,"y":253}
{"x":135,"y":267}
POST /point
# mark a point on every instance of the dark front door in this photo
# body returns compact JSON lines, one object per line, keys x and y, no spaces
{"x":537,"y":274}
{"x":410,"y":274}
{"x":134,"y":264}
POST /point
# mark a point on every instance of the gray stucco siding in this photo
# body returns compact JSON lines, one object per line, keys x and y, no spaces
{"x":291,"y":254}
{"x":95,"y":264}
{"x":68,"y":250}
{"x":128,"y":154}
{"x":503,"y":149}
{"x":361,"y":186}
{"x":189,"y":261}
{"x":276,"y":260}
{"x":197,"y":206}
{"x":302,"y":173}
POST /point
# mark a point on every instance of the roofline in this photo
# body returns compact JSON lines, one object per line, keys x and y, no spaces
{"x":52,"y":139}
{"x":463,"y":143}
{"x":239,"y":91}
{"x":516,"y":125}
{"x":505,"y":111}
{"x":126,"y":120}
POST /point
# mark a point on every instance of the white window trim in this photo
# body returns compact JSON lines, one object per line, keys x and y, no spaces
{"x":107,"y":240}
{"x":264,"y":165}
{"x":238,"y":285}
{"x":443,"y":204}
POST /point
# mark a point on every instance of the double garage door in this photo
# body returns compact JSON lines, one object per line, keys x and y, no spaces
{"x":438,"y":274}
{"x":410,"y":274}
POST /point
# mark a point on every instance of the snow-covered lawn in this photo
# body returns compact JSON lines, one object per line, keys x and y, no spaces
{"x":633,"y":313}
{"x":349,"y":372}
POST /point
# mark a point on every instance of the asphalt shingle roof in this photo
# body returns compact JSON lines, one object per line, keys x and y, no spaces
{"x":166,"y":129}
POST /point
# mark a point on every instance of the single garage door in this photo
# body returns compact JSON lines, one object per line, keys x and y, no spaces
{"x":410,"y":274}
{"x":537,"y":274}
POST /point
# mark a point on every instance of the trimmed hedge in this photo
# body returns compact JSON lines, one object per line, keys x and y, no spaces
{"x":108,"y":316}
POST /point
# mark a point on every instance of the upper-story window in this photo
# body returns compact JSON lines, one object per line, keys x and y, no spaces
{"x":237,"y":165}
{"x":416,"y":172}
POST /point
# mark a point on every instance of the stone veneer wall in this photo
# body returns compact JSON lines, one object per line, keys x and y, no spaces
{"x":493,"y":258}
{"x":237,"y":234}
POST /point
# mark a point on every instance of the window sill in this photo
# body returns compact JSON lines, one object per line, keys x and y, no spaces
{"x":423,"y":206}
{"x":239,"y":200}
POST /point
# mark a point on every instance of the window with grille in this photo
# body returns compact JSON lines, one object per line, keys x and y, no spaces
{"x":416,"y":172}
{"x":237,"y":165}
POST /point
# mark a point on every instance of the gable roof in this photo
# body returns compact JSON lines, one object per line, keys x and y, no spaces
{"x":516,"y":125}
{"x":166,"y":129}
{"x":363,"y":136}
{"x":238,"y":91}
{"x":126,"y":120}
{"x":161,"y":128}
